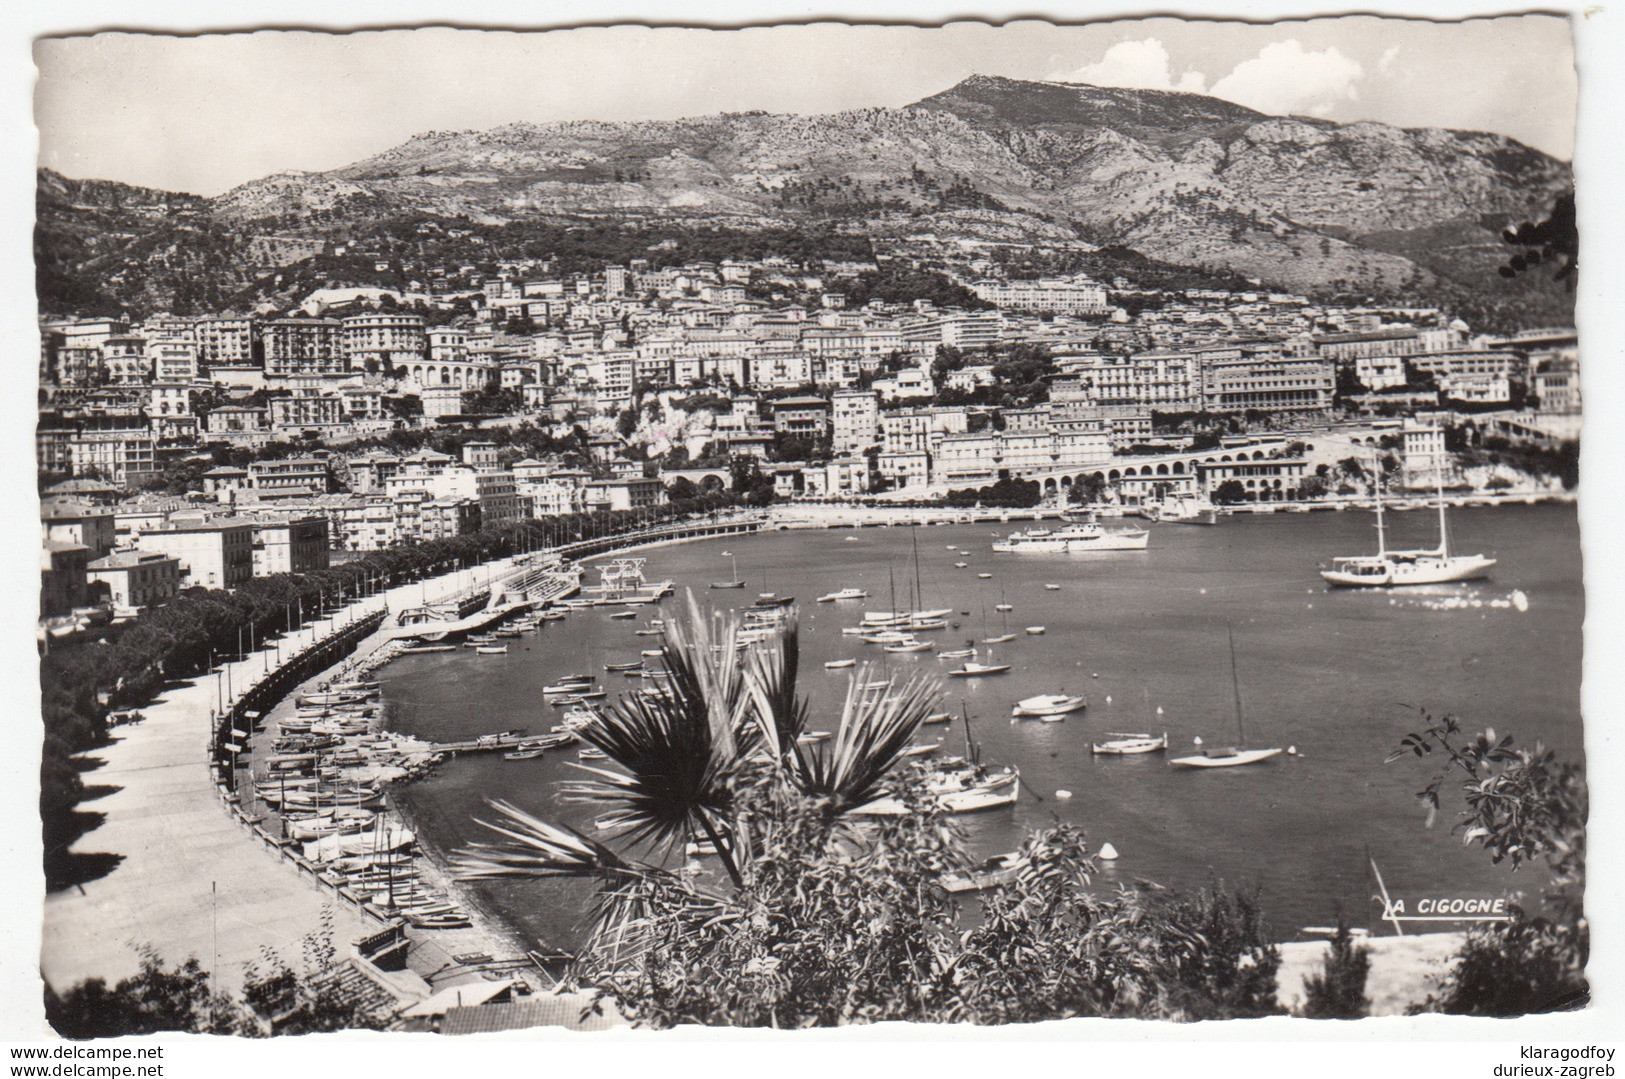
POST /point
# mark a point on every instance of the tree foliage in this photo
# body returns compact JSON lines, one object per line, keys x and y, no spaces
{"x":1555,"y":240}
{"x":827,"y":918}
{"x":1338,"y":991}
{"x":1521,"y":806}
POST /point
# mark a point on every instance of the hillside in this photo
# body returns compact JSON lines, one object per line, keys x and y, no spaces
{"x":1182,"y":178}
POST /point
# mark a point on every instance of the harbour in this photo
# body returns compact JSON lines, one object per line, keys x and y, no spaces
{"x":1338,"y":676}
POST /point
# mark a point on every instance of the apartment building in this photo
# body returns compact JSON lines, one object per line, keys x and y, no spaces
{"x":303,"y":346}
{"x":134,"y":579}
{"x":855,"y":420}
{"x":213,"y":553}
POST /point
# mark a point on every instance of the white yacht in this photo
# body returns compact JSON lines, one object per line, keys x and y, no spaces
{"x":1074,"y":539}
{"x":1387,"y":569}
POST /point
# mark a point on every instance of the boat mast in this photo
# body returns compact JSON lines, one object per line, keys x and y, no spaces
{"x":1444,"y":532}
{"x":919,"y":593}
{"x":1235,"y":681}
{"x":1376,"y":483}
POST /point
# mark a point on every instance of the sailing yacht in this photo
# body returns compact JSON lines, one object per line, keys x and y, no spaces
{"x":1387,"y":568}
{"x":1228,"y":756}
{"x":736,"y":581}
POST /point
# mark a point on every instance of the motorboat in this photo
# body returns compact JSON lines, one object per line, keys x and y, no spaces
{"x":909,"y":645}
{"x":1049,"y":704}
{"x":845,"y":593}
{"x":1004,"y":606}
{"x":985,"y":576}
{"x":1035,"y":631}
{"x":1052,"y":588}
{"x":1121,"y":744}
{"x":492,"y":650}
{"x":999,"y":639}
{"x":417,"y":649}
{"x":569,"y":686}
{"x":523,"y":754}
{"x":937,"y":717}
{"x":623,"y":614}
{"x":956,"y":653}
{"x":1075,"y":538}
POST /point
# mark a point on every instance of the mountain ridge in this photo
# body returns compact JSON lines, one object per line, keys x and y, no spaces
{"x":1184,"y":178}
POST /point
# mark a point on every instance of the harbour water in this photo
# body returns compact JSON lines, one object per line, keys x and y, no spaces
{"x":1339,"y":675}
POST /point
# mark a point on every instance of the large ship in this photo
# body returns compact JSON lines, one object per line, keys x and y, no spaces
{"x":1389,"y":569}
{"x":1073,"y":539}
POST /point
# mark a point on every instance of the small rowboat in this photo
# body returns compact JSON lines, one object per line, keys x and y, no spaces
{"x":938,"y":717}
{"x":492,"y":650}
{"x":623,"y":666}
{"x":1052,"y":587}
{"x":523,"y":754}
{"x":623,"y":614}
{"x":838,"y":664}
{"x":1035,"y":631}
{"x":1004,"y":607}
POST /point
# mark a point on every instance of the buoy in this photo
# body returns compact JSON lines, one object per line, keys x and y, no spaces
{"x":1063,"y":794}
{"x":1108,"y":853}
{"x":1094,"y":674}
{"x":1292,"y":751}
{"x":1197,"y":740}
{"x":1159,"y":709}
{"x":1108,"y":698}
{"x":1201,"y":591}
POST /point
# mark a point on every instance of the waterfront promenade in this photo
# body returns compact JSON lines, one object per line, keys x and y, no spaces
{"x":192,"y":880}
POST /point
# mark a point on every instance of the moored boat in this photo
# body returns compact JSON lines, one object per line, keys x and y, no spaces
{"x":1120,"y":744}
{"x":989,"y":873}
{"x":1049,"y":704}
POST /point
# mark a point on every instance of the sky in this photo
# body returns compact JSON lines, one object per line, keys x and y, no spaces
{"x":205,"y":113}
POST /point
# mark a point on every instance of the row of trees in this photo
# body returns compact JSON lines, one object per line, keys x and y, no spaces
{"x":126,"y":665}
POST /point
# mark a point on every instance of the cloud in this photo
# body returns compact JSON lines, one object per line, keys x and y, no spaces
{"x":1284,"y":79}
{"x":1135,"y":65}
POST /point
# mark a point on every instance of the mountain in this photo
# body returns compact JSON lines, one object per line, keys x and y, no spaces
{"x":1190,"y":180}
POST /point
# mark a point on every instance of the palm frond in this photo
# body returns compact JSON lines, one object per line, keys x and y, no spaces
{"x":535,"y":848}
{"x":874,"y":729}
{"x":780,"y":716}
{"x":701,"y":656}
{"x":673,"y":768}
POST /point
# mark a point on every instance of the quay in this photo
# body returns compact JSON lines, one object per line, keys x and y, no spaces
{"x":194,"y":874}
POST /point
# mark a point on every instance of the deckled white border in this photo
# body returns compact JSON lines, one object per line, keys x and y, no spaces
{"x":1600,"y":52}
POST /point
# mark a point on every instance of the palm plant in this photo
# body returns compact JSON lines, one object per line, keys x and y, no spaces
{"x":693,"y":759}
